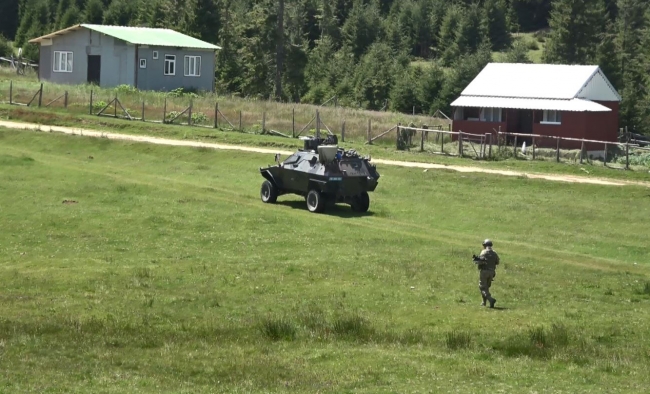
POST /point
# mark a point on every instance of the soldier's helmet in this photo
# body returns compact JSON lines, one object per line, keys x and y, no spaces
{"x":487,"y":242}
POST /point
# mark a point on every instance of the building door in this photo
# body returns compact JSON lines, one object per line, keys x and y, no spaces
{"x":94,"y":68}
{"x":526,"y":121}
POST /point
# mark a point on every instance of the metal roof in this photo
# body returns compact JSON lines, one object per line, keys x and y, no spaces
{"x":138,"y":36}
{"x":540,"y":81}
{"x":576,"y":104}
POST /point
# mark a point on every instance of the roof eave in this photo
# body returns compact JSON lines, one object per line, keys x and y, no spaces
{"x":56,"y":33}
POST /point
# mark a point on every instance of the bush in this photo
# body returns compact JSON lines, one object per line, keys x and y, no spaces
{"x":532,"y":45}
{"x":125,"y":89}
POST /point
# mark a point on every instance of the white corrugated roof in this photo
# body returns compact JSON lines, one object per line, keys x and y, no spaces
{"x":523,"y":103}
{"x":541,"y":81}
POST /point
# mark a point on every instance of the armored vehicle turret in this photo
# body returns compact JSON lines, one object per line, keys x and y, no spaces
{"x":323,"y":174}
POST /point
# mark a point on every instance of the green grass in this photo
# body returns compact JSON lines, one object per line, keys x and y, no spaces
{"x":534,"y":43}
{"x":382,"y":148}
{"x":165,"y":272}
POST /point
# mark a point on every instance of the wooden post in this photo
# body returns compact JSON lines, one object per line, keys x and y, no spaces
{"x":442,"y":143}
{"x":605,"y":158}
{"x":293,"y":122}
{"x":533,"y":148}
{"x":422,"y":142}
{"x":11,"y":92}
{"x":216,"y":115}
{"x":343,"y":131}
{"x":627,"y":156}
{"x":91,"y":102}
{"x":368,"y":132}
{"x":240,"y":129}
{"x":490,"y":151}
{"x":115,"y":106}
{"x":165,"y":110}
{"x":582,"y":151}
{"x":264,"y":122}
{"x":317,"y":124}
{"x":40,"y":96}
{"x":143,"y":110}
{"x":460,"y":144}
{"x":189,"y":115}
{"x":65,"y":100}
{"x":514,"y":150}
{"x":557,"y":151}
{"x":397,"y":136}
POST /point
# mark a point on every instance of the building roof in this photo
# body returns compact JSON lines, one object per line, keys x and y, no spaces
{"x":576,"y":104}
{"x":534,"y":84}
{"x":138,"y":36}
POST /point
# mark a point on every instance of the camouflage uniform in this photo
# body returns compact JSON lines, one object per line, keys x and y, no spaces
{"x":487,"y":263}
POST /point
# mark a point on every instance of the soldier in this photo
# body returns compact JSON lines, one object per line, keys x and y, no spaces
{"x":487,"y":263}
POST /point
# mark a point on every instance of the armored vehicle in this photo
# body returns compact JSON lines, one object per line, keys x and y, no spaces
{"x":324,"y":174}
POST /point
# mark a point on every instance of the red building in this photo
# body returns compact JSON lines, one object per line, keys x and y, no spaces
{"x":573,"y":101}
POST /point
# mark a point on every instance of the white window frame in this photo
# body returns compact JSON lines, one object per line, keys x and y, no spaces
{"x":69,"y":60}
{"x":192,"y":66}
{"x":490,"y":114}
{"x":155,"y":55}
{"x":143,"y":63}
{"x":552,"y":117}
{"x":170,"y":59}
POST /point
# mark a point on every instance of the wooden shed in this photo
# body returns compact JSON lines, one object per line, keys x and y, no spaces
{"x":575,"y":101}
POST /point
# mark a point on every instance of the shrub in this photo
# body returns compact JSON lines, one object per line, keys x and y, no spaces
{"x":5,"y":47}
{"x":532,"y":45}
{"x":128,"y":89}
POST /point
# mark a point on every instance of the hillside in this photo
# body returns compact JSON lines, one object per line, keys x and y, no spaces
{"x":361,"y":50}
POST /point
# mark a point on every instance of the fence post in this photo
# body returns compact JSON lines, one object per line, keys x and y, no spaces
{"x":557,"y":151}
{"x":627,"y":155}
{"x":264,"y":122}
{"x":442,"y":143}
{"x":490,"y":146}
{"x":460,"y":144}
{"x":368,"y":131}
{"x":143,"y":110}
{"x":189,"y":117}
{"x":317,"y":124}
{"x":11,"y":92}
{"x":514,"y":150}
{"x":40,"y":96}
{"x":90,"y":111}
{"x":582,"y":151}
{"x":422,"y":142}
{"x":343,"y":131}
{"x":65,"y":100}
{"x":533,"y":148}
{"x":115,"y":106}
{"x":216,"y":115}
{"x":293,"y":122}
{"x":165,"y":110}
{"x":605,"y":158}
{"x":240,"y":129}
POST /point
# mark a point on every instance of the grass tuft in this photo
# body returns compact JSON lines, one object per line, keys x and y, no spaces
{"x":278,"y":328}
{"x":458,"y":340}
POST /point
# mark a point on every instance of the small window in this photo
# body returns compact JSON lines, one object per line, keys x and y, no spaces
{"x":491,"y":114}
{"x":192,"y":66}
{"x":62,"y":62}
{"x":170,"y":64}
{"x":552,"y":117}
{"x":155,"y":55}
{"x":143,"y":63}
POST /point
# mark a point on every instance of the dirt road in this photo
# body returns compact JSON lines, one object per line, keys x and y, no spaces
{"x":164,"y":141}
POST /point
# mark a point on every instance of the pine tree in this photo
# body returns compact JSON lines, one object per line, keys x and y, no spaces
{"x":119,"y":13}
{"x":447,"y":47}
{"x":70,"y":18}
{"x":497,"y":24}
{"x":518,"y":53}
{"x":362,"y":28}
{"x":93,"y":12}
{"x":471,"y":31}
{"x":9,"y":17}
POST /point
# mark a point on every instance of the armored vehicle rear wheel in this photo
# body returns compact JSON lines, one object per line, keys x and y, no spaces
{"x":315,"y":201}
{"x":361,"y":202}
{"x":269,"y":192}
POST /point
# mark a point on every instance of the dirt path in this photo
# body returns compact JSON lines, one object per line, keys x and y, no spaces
{"x":165,"y":141}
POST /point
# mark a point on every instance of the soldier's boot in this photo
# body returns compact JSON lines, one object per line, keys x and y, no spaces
{"x":492,"y":302}
{"x":484,"y":299}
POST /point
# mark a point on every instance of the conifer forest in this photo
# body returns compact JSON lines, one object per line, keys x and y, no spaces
{"x":374,"y":54}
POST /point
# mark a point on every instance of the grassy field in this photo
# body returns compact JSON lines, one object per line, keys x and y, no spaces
{"x":381,"y":148}
{"x":131,"y":268}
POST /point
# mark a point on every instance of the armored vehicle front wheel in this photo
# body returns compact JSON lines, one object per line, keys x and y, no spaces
{"x":361,"y":202}
{"x":269,"y":192}
{"x":315,"y":201}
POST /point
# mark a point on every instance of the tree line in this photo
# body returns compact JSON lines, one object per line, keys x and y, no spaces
{"x":374,"y":54}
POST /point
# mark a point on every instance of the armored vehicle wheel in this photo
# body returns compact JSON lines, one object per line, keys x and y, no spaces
{"x":361,"y":202}
{"x":315,"y":201}
{"x":269,"y":192}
